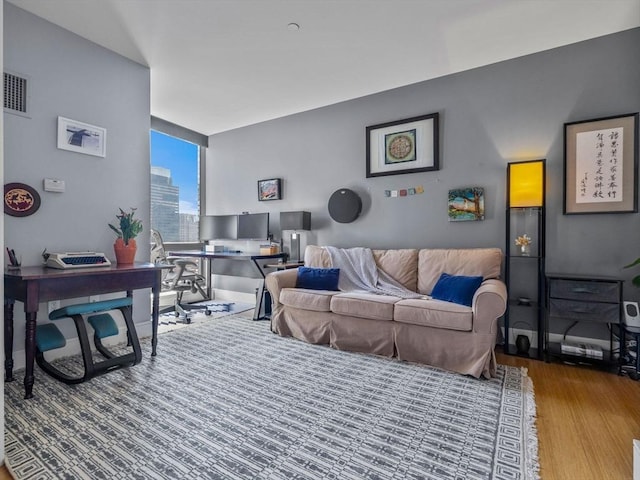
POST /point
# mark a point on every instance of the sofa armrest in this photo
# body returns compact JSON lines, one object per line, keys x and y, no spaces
{"x":489,"y":304}
{"x":276,"y":281}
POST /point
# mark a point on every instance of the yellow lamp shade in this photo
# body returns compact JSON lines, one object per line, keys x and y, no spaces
{"x":526,"y":184}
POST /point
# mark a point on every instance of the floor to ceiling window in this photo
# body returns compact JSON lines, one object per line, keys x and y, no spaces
{"x":175,"y":188}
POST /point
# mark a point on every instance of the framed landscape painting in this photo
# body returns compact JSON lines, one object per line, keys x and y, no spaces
{"x":269,"y":189}
{"x":466,"y":204}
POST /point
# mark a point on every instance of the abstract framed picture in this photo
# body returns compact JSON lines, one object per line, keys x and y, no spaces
{"x":601,"y":165}
{"x":403,"y":146}
{"x":81,"y":137}
{"x":269,"y":189}
{"x":466,"y":204}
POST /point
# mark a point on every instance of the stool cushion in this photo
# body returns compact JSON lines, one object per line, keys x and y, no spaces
{"x":104,"y":325}
{"x":83,"y":308}
{"x":49,"y":337}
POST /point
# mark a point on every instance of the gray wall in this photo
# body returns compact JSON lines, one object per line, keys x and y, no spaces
{"x":2,"y":230}
{"x":74,"y":78}
{"x":510,"y":111}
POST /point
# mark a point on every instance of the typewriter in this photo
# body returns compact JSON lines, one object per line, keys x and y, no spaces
{"x":75,"y":260}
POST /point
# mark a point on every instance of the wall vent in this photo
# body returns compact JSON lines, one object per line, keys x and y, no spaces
{"x":16,"y":94}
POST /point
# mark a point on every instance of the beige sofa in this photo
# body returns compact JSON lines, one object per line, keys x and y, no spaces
{"x":438,"y":333}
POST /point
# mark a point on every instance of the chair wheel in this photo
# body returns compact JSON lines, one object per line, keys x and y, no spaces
{"x":187,"y":319}
{"x":208,"y":312}
{"x":176,"y":314}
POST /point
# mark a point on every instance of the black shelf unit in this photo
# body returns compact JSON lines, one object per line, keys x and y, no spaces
{"x":575,"y":299}
{"x":524,"y":271}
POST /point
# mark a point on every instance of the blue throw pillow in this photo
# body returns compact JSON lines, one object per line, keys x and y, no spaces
{"x":456,"y":289}
{"x":318,"y":278}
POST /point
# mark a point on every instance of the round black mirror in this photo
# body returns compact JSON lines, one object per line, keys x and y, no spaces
{"x":344,"y":205}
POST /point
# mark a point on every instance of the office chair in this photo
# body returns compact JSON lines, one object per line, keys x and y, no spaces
{"x":184,"y":276}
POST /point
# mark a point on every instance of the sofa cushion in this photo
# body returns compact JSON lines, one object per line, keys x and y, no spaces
{"x":401,"y":264}
{"x":432,"y":263}
{"x":315,"y":256}
{"x":364,"y":305}
{"x":318,"y":278}
{"x":434,"y":313}
{"x":316,"y":300}
{"x":456,"y":288}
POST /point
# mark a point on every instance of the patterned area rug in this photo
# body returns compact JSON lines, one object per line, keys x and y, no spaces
{"x":227,"y":399}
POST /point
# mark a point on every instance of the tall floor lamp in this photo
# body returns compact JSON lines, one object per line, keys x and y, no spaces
{"x":295,"y":221}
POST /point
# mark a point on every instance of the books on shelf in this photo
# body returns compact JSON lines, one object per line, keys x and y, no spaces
{"x":588,"y":350}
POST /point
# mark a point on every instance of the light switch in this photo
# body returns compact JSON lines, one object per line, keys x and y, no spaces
{"x":53,"y":185}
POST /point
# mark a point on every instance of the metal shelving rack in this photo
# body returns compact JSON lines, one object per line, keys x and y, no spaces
{"x":525,"y":272}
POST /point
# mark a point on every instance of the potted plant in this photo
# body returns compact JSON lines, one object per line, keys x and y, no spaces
{"x":635,"y":280}
{"x":125,"y":246}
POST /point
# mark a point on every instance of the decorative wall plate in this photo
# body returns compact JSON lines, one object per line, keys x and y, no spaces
{"x":20,"y":200}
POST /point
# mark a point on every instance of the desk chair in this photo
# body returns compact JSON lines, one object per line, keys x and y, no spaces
{"x":184,"y":276}
{"x":49,"y":337}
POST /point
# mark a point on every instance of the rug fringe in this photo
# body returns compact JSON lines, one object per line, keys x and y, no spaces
{"x":532,"y":464}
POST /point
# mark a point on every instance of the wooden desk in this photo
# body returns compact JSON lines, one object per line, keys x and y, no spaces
{"x":35,"y":285}
{"x":253,"y":258}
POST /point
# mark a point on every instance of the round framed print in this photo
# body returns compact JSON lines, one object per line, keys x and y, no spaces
{"x":20,"y":200}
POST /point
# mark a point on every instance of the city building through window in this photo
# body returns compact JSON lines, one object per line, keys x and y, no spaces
{"x":175,"y":188}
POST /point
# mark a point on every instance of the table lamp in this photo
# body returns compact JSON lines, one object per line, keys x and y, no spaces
{"x":295,"y":221}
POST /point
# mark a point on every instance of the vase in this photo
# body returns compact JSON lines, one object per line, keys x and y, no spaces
{"x":525,"y":250}
{"x":522,"y":345}
{"x":125,"y":254}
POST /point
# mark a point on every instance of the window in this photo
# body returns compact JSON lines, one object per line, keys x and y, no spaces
{"x":175,"y":192}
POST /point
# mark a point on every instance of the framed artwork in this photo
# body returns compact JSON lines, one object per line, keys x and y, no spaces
{"x":466,"y":204}
{"x":601,"y":165}
{"x":269,"y":189}
{"x":81,"y":137}
{"x":403,"y":146}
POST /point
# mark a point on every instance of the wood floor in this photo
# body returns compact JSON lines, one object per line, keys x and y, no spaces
{"x":586,"y":421}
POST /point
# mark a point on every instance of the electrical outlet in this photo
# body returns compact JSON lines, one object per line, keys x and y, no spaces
{"x":53,"y":305}
{"x":94,"y":298}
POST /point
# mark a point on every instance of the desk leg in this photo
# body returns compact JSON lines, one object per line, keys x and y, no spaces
{"x":8,"y":340}
{"x":155,"y":312}
{"x":30,"y":353}
{"x":623,"y":350}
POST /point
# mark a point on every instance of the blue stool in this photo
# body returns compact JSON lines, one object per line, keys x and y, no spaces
{"x":49,"y":337}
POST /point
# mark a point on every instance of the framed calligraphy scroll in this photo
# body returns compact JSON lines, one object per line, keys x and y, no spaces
{"x":601,"y":165}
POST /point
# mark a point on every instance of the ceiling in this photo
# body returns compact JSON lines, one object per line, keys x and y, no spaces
{"x":222,"y":64}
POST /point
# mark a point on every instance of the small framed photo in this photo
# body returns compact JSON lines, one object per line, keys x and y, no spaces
{"x":601,"y":165}
{"x":403,"y":146}
{"x":269,"y":189}
{"x":81,"y":137}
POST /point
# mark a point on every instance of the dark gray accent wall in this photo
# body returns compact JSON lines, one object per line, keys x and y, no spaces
{"x":489,"y":116}
{"x":74,"y":78}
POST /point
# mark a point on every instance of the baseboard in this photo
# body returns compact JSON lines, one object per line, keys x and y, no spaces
{"x":233,"y":296}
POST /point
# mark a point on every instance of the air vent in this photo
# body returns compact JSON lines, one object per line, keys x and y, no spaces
{"x":16,"y":98}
